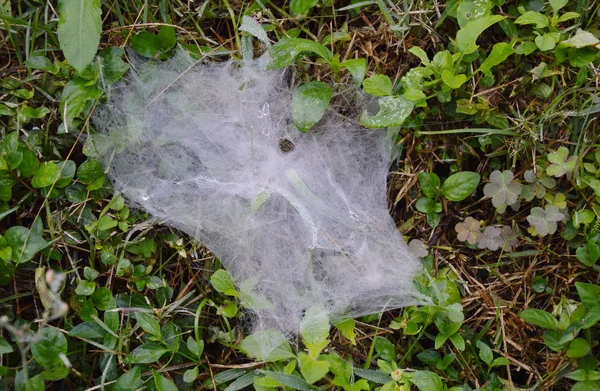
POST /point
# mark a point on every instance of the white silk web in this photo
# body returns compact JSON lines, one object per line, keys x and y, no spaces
{"x":297,"y":219}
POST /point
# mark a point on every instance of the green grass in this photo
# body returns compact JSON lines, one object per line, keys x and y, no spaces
{"x":96,"y":295}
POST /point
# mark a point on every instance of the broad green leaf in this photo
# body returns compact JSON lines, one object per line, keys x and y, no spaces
{"x":162,"y":383}
{"x":221,"y":280}
{"x":155,"y":45}
{"x":540,"y":318}
{"x":309,"y":103}
{"x":500,"y":52}
{"x":393,"y":110}
{"x":385,"y":349}
{"x":67,"y":172}
{"x":85,"y":288}
{"x":79,"y":30}
{"x":148,"y":323}
{"x":589,"y":294}
{"x":314,"y":329}
{"x":378,"y":85}
{"x":568,"y":16}
{"x":7,"y":181}
{"x":425,"y":205}
{"x":24,"y":244}
{"x":470,"y":10}
{"x":485,"y":353}
{"x":76,"y":96}
{"x":145,"y":354}
{"x":453,"y":81}
{"x":467,"y":36}
{"x":312,"y":369}
{"x":426,"y":381}
{"x":285,"y":52}
{"x":29,"y":162}
{"x":91,"y":174}
{"x":196,"y":347}
{"x":460,"y":185}
{"x":357,"y":68}
{"x":112,"y":67}
{"x":582,"y":39}
{"x":5,"y":347}
{"x":47,"y":174}
{"x":302,"y":6}
{"x":417,"y":51}
{"x":346,"y":327}
{"x":252,"y":27}
{"x":46,"y":350}
{"x":588,"y":254}
{"x":531,"y":17}
{"x":292,"y":381}
{"x":40,"y":62}
{"x":267,"y":345}
{"x":546,"y":42}
{"x":190,"y":375}
{"x":88,"y":330}
{"x":130,"y":380}
{"x":558,"y":4}
{"x":579,"y":347}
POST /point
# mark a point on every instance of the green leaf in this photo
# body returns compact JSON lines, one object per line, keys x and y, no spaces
{"x":190,"y":375}
{"x":430,"y":184}
{"x":346,"y":327}
{"x":7,"y":181}
{"x":425,"y":205}
{"x":155,"y":45}
{"x":417,"y":51}
{"x":79,"y":30}
{"x":485,"y":353}
{"x":148,"y":323}
{"x":130,"y":380}
{"x":46,"y":350}
{"x":460,"y":185}
{"x":67,"y":172}
{"x":588,"y":254}
{"x":196,"y":347}
{"x":582,"y":39}
{"x":5,"y":347}
{"x":285,"y":52}
{"x":531,"y":17}
{"x":589,"y":294}
{"x":540,"y":318}
{"x":85,"y":288}
{"x":385,"y":349}
{"x":546,"y":42}
{"x":357,"y":68}
{"x":162,"y":383}
{"x":76,"y":95}
{"x":24,"y":244}
{"x":91,"y":174}
{"x":393,"y":110}
{"x":568,"y":16}
{"x":451,"y":80}
{"x":267,"y":345}
{"x":88,"y":330}
{"x":30,"y":112}
{"x":39,"y":62}
{"x":312,"y":370}
{"x":46,"y":175}
{"x":309,"y":103}
{"x":34,"y":383}
{"x":500,"y":52}
{"x":378,"y":85}
{"x":558,"y":4}
{"x":112,"y":67}
{"x":314,"y":329}
{"x":145,"y":354}
{"x":302,"y":6}
{"x":579,"y":347}
{"x":426,"y":381}
{"x":221,"y":280}
{"x":292,"y":381}
{"x":467,"y":36}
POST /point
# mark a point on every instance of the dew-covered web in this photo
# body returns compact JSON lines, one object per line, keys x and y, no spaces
{"x":297,"y":219}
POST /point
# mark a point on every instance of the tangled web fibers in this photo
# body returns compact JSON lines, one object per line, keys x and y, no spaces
{"x":299,"y":220}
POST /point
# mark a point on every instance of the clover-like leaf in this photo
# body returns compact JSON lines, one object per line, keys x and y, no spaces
{"x":502,"y":189}
{"x":538,"y":182}
{"x":468,"y":231}
{"x":418,"y":248}
{"x":559,"y":200}
{"x":510,"y":238}
{"x":543,"y":221}
{"x":561,"y":163}
{"x":490,"y":238}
